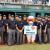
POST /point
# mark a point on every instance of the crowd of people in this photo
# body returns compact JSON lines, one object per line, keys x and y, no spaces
{"x":40,"y":1}
{"x":12,"y":29}
{"x":27,"y":1}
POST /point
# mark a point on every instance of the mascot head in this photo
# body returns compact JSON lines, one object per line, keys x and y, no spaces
{"x":31,"y":18}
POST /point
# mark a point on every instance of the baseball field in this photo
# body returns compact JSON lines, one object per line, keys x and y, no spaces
{"x":26,"y":47}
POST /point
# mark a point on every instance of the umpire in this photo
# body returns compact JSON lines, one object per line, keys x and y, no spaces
{"x":24,"y":23}
{"x":19,"y":30}
{"x":11,"y":30}
{"x":16,"y":22}
{"x":44,"y":30}
{"x":5,"y":21}
{"x":1,"y":29}
{"x":39,"y":31}
{"x":48,"y":29}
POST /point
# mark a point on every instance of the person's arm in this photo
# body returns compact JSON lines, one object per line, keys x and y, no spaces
{"x":3,"y":28}
{"x":45,"y":28}
{"x":22,"y":29}
{"x":40,"y":29}
{"x":3,"y":25}
{"x":41,"y":23}
{"x":18,"y":29}
{"x":7,"y":26}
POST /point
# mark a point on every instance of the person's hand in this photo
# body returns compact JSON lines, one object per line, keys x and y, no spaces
{"x":20,"y":30}
{"x":41,"y":23}
{"x":7,"y":24}
{"x":44,"y":31}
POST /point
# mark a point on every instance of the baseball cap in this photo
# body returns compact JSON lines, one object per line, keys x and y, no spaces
{"x":20,"y":16}
{"x":12,"y":15}
{"x":4,"y":15}
{"x":9,"y":14}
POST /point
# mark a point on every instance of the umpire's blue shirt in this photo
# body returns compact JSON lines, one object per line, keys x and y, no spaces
{"x":11,"y":24}
{"x":20,"y":25}
{"x":1,"y":23}
{"x":5,"y":21}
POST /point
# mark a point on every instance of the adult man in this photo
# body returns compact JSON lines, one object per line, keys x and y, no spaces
{"x":1,"y":29}
{"x":16,"y":22}
{"x":5,"y":21}
{"x":24,"y":23}
{"x":45,"y":30}
{"x":39,"y":27}
{"x":11,"y":30}
{"x":19,"y":30}
{"x":48,"y":29}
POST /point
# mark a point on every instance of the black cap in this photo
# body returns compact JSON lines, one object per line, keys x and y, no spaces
{"x":4,"y":15}
{"x":24,"y":15}
{"x":9,"y":14}
{"x":20,"y":16}
{"x":12,"y":15}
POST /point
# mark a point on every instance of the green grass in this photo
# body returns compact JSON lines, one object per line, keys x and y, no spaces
{"x":26,"y":47}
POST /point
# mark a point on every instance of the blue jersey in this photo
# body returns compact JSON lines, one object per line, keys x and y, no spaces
{"x":1,"y":23}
